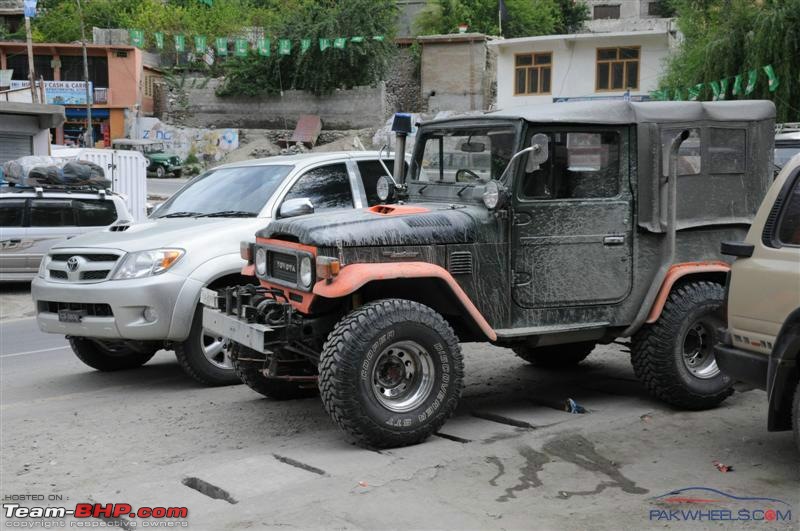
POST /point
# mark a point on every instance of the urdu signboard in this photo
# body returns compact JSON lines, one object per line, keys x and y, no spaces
{"x":60,"y":92}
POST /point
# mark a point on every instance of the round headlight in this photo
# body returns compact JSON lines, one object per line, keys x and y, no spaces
{"x":305,"y":272}
{"x":261,"y":261}
{"x":383,"y":187}
{"x":491,"y":197}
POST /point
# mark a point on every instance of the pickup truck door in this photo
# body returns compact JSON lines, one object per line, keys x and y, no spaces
{"x":572,"y":225}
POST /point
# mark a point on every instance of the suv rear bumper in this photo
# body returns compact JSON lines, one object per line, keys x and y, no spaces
{"x":128,"y":300}
{"x":742,"y":365}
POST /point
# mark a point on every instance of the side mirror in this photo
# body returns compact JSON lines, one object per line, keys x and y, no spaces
{"x":296,"y":207}
{"x":539,"y":152}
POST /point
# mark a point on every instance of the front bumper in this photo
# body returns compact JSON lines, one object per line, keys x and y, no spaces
{"x":128,"y":300}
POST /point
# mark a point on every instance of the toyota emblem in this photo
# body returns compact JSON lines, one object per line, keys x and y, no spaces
{"x":72,"y":263}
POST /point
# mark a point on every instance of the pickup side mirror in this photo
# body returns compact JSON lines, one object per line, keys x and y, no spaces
{"x":539,"y":152}
{"x":296,"y":207}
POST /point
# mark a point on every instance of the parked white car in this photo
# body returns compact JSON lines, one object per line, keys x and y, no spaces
{"x":32,"y":221}
{"x":122,"y":294}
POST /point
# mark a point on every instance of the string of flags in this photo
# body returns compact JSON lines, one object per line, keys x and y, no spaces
{"x":242,"y":47}
{"x":719,"y":89}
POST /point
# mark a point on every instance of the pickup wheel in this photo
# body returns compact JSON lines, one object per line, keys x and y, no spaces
{"x":554,"y":356}
{"x":106,"y":357}
{"x":205,"y":357}
{"x":161,"y":172}
{"x":674,"y":356}
{"x":249,"y":373}
{"x":391,"y":373}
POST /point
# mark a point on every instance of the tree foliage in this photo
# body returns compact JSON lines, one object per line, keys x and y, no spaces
{"x":320,"y":71}
{"x":723,"y":38}
{"x":525,"y":17}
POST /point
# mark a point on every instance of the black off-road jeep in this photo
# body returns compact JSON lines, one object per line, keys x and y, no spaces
{"x":548,"y":230}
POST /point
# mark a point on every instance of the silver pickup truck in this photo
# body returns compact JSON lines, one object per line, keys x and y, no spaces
{"x":121,"y":294}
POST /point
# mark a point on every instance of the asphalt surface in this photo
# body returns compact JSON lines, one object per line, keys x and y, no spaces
{"x":510,"y":458}
{"x":164,"y":187}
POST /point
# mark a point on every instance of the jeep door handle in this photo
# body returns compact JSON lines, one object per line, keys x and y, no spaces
{"x":614,"y":240}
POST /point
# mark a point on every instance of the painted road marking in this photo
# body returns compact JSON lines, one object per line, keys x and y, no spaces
{"x":33,"y":352}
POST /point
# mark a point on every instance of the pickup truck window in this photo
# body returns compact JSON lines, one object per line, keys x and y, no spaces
{"x":245,"y":190}
{"x":328,"y":187}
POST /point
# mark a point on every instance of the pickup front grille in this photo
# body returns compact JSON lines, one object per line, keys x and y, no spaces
{"x":92,"y":310}
{"x":81,"y":265}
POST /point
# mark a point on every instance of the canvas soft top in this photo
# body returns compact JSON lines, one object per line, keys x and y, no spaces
{"x":623,"y":112}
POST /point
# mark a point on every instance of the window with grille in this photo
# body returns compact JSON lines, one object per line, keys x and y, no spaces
{"x":618,"y":68}
{"x":533,"y":73}
{"x":607,"y":11}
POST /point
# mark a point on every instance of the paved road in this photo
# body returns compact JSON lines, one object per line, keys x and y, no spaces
{"x":510,"y":457}
{"x":164,"y":187}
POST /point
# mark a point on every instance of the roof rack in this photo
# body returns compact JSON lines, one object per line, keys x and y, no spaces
{"x":40,"y":190}
{"x":788,"y":127}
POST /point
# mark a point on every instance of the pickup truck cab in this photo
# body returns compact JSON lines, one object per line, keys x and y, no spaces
{"x":121,"y":294}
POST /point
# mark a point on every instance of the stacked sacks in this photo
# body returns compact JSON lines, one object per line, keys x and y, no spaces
{"x":51,"y":171}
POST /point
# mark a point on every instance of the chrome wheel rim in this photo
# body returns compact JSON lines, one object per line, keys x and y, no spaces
{"x":698,"y":351}
{"x":216,"y":349}
{"x":402,"y":376}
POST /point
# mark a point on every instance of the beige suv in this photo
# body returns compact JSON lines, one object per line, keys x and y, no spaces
{"x":762,"y":343}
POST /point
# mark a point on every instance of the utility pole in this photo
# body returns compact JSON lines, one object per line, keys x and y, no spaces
{"x":31,"y":73}
{"x":89,"y":136}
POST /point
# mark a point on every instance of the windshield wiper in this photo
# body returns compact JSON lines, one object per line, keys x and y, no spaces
{"x":180,"y":215}
{"x":229,"y":214}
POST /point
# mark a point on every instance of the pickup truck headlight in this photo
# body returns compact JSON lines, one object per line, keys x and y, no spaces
{"x":147,"y":263}
{"x":306,"y":274}
{"x":43,"y":266}
{"x":261,"y":261}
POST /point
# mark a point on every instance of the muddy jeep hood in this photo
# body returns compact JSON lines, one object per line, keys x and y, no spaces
{"x":437,"y":224}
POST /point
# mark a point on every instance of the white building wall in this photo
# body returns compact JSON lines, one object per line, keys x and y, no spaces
{"x":574,"y":65}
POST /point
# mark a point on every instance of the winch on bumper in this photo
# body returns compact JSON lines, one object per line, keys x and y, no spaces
{"x":261,"y":319}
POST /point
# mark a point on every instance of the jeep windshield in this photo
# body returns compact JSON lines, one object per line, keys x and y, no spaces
{"x":226,"y":192}
{"x":460,"y":158}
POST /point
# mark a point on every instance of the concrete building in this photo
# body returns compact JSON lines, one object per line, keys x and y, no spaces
{"x":12,"y":16}
{"x":25,"y":129}
{"x":457,"y":72}
{"x":625,"y":15}
{"x":122,"y":78}
{"x":581,"y":66}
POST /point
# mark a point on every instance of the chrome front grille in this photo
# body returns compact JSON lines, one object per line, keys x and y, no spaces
{"x":81,"y":265}
{"x":282,"y":266}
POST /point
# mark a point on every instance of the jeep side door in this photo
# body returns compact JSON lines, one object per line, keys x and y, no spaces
{"x":572,"y":225}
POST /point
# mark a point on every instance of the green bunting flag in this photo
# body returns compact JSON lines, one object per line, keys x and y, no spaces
{"x":339,"y":43}
{"x":752,"y":77}
{"x":305,"y":44}
{"x":264,"y":46}
{"x":180,"y":43}
{"x":222,"y":46}
{"x":200,"y":43}
{"x":378,"y":38}
{"x":324,"y":44}
{"x":774,"y":81}
{"x":159,"y":36}
{"x":357,"y":39}
{"x":723,"y":88}
{"x":240,"y":48}
{"x":737,"y":85}
{"x":716,"y":90}
{"x":137,"y":37}
{"x":694,"y":92}
{"x":284,"y":47}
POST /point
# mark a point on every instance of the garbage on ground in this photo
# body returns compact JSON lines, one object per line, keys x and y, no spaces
{"x":646,"y":418}
{"x":570,"y":406}
{"x":722,"y":467}
{"x":54,"y":171}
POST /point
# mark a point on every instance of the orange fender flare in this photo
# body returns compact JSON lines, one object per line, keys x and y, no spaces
{"x":677,"y":271}
{"x":354,"y":276}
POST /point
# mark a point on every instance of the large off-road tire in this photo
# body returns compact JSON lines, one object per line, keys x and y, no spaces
{"x":248,"y":372}
{"x":107,"y":357}
{"x":554,"y":356}
{"x":674,"y":357}
{"x":161,"y":172}
{"x":796,"y":416}
{"x":205,"y":357}
{"x":391,"y":373}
